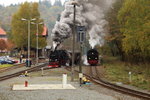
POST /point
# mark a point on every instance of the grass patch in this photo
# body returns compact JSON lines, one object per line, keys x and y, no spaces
{"x":117,"y":71}
{"x":5,"y":65}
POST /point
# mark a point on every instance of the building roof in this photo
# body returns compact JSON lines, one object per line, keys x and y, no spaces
{"x":2,"y":32}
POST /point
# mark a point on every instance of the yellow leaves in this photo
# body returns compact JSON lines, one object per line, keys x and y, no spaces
{"x":134,"y":18}
{"x":20,"y":28}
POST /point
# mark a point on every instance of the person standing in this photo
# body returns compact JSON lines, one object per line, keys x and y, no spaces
{"x":21,"y":56}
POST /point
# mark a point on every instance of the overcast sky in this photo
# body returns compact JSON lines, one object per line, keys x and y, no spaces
{"x":8,"y":2}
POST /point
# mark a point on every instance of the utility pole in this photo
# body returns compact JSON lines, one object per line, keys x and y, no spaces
{"x":73,"y":44}
{"x":81,"y":37}
{"x":80,"y":66}
{"x":74,"y":3}
{"x":37,"y":44}
{"x":29,"y":43}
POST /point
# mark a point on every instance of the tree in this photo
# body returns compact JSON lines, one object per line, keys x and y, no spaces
{"x":47,"y":3}
{"x":57,"y":3}
{"x":5,"y":16}
{"x":1,"y":6}
{"x":134,"y":18}
{"x":47,"y":12}
{"x":115,"y":36}
{"x":20,"y":28}
{"x":3,"y":44}
{"x":10,"y":45}
{"x":50,"y":14}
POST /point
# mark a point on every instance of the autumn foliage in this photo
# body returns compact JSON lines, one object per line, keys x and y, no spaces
{"x":10,"y":45}
{"x":3,"y":45}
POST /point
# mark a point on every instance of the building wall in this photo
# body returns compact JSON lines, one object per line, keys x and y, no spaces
{"x":3,"y":37}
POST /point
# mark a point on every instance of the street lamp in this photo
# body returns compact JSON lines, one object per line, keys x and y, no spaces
{"x":37,"y":34}
{"x":28,"y":20}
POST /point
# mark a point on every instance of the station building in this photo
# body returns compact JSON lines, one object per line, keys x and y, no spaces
{"x":3,"y":41}
{"x":3,"y":34}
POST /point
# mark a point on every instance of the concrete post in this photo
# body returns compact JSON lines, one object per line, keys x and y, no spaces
{"x":42,"y":71}
{"x":130,"y":79}
{"x":64,"y":81}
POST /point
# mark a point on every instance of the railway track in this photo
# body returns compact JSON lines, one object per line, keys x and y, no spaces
{"x":13,"y":67}
{"x":94,"y":77}
{"x":115,"y":87}
{"x":36,"y":68}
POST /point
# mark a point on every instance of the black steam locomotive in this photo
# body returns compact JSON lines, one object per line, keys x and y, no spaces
{"x":58,"y":58}
{"x":92,"y":57}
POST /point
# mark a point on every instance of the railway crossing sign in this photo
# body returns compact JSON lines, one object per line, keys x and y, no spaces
{"x":81,"y":36}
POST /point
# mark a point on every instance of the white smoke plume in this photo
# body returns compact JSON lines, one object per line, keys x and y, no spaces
{"x":84,"y":59}
{"x":89,"y":13}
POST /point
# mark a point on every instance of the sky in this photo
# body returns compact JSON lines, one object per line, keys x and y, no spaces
{"x":8,"y":2}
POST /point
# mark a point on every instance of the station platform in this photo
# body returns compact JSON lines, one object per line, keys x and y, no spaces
{"x":42,"y":87}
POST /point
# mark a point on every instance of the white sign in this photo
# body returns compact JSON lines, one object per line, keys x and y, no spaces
{"x":80,"y":75}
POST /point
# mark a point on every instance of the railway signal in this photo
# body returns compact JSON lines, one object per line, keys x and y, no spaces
{"x":81,"y":37}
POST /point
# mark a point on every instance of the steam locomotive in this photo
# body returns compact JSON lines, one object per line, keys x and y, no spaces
{"x":92,"y":57}
{"x":58,"y":58}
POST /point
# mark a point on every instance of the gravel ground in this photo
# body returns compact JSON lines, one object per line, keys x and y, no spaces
{"x":78,"y":94}
{"x":101,"y":89}
{"x":50,"y":77}
{"x":54,"y":76}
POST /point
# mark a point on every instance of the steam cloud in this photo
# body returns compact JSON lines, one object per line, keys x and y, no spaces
{"x":89,"y":13}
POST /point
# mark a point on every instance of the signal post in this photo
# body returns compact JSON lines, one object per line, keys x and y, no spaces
{"x":81,"y":37}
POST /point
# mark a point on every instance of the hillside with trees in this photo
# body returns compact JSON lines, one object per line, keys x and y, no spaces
{"x":20,"y":27}
{"x":49,"y":13}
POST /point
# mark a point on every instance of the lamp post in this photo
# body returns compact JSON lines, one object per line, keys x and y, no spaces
{"x":28,"y":20}
{"x":37,"y":35}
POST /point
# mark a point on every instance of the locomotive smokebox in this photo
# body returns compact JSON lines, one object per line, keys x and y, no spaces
{"x":93,"y":57}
